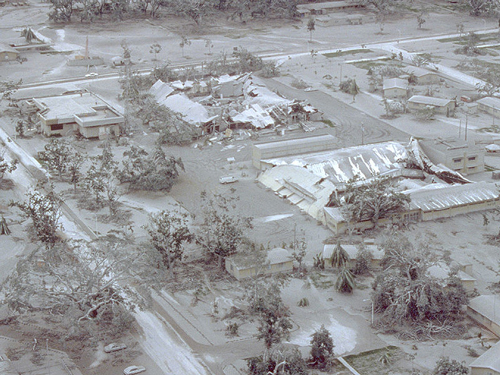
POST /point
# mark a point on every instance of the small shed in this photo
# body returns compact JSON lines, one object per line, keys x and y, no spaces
{"x":395,"y":88}
{"x":485,"y":310}
{"x":8,"y":53}
{"x":488,"y":363}
{"x":242,"y":266}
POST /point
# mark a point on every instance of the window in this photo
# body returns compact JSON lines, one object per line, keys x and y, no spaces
{"x":471,"y":158}
{"x":471,"y":169}
{"x":411,"y":217}
{"x":57,"y":127}
{"x":457,"y":160}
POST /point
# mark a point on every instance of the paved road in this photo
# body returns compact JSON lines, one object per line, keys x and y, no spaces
{"x":348,"y":120}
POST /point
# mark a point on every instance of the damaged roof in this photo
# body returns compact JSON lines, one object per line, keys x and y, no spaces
{"x":160,"y":90}
{"x":255,"y":116}
{"x":340,"y":166}
{"x":190,"y":111}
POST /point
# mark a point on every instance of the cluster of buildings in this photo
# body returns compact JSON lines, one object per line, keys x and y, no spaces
{"x":227,"y":102}
{"x":307,"y":171}
{"x":231,"y":102}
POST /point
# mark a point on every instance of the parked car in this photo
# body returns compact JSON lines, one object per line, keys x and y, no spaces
{"x":91,"y":75}
{"x":228,"y":180}
{"x":113,"y":347}
{"x":131,"y":370}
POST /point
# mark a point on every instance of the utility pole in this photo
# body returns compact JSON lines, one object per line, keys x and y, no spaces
{"x":466,"y":123}
{"x":362,"y":133}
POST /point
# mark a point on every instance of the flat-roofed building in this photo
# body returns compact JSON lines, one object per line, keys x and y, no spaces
{"x":458,"y":155}
{"x":84,"y":113}
{"x":270,"y":150}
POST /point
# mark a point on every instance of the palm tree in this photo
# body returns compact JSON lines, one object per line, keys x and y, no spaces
{"x":345,"y":281}
{"x":339,"y":256}
{"x":311,"y":27}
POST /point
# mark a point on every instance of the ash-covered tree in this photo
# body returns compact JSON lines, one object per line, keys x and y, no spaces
{"x":298,"y":247}
{"x":273,"y":315}
{"x":362,"y":262}
{"x":339,"y":256}
{"x":345,"y":281}
{"x":101,"y":182}
{"x":156,"y":49}
{"x":20,"y":129}
{"x":279,"y":360}
{"x":78,"y":280}
{"x":61,"y":10}
{"x":421,"y":19}
{"x":221,"y":231}
{"x":7,"y":167}
{"x":445,"y":366}
{"x":44,"y":210}
{"x":155,"y":172}
{"x":481,"y":7}
{"x":371,"y":200}
{"x":196,"y":10}
{"x":321,"y":348}
{"x":75,"y":168}
{"x":56,"y":156}
{"x":405,"y":294}
{"x":168,"y":232}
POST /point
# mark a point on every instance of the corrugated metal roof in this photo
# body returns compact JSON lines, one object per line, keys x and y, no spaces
{"x":436,"y":197}
{"x":339,"y":166}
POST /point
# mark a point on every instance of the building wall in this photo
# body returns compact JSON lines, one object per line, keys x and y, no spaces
{"x":395,"y":92}
{"x":8,"y":56}
{"x":48,"y":129}
{"x":483,"y":371}
{"x":434,"y":215}
{"x":428,"y":79}
{"x":488,"y":109}
{"x":244,"y":273}
{"x":444,"y":110}
{"x":99,"y":131}
{"x":277,"y":149}
{"x":473,"y":314}
{"x":466,"y":159}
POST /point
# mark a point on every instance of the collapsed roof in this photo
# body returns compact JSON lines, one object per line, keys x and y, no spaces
{"x":342,"y":165}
